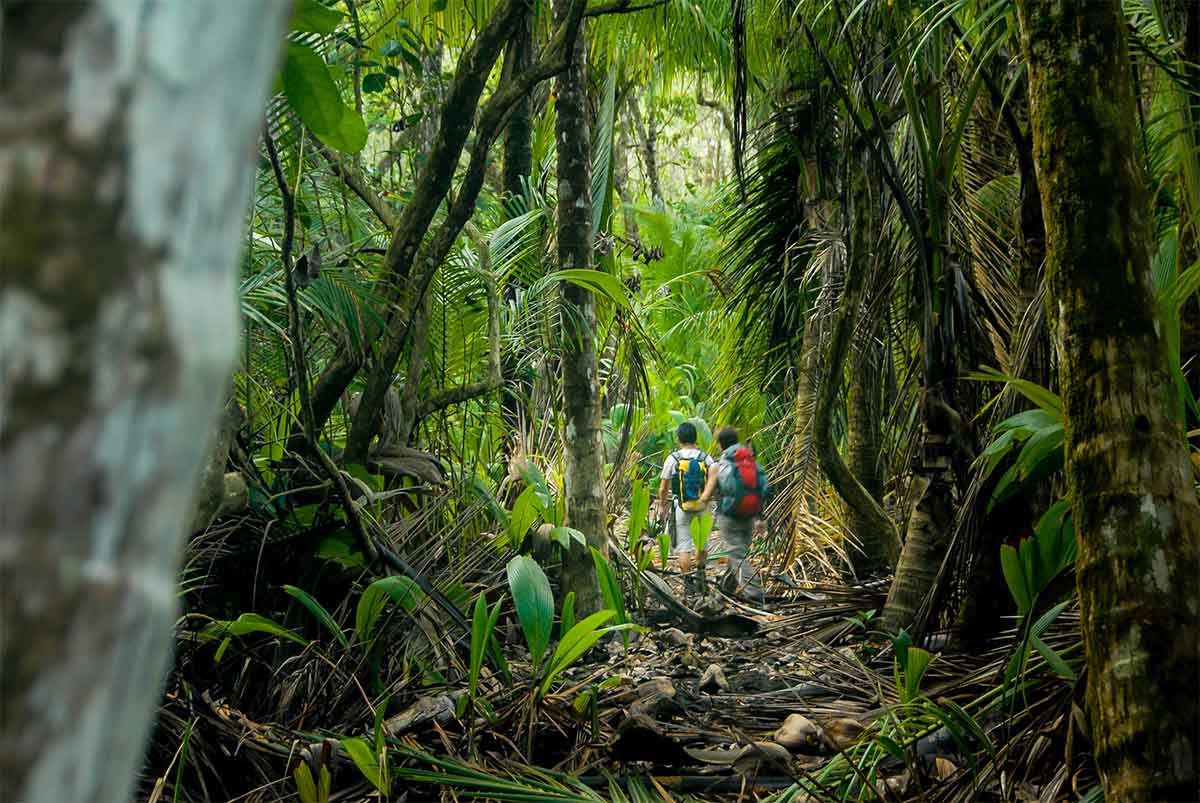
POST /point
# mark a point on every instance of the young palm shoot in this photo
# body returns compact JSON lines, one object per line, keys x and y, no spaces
{"x":701,"y":527}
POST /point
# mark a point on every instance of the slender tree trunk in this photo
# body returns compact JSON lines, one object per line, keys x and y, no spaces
{"x":518,"y":166}
{"x":1137,"y":518}
{"x":124,"y":179}
{"x":583,"y":451}
{"x":518,"y":137}
{"x":874,"y":521}
{"x":863,"y":445}
{"x":647,"y":135}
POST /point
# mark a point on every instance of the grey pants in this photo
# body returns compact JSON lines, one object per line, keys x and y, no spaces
{"x":736,"y":533}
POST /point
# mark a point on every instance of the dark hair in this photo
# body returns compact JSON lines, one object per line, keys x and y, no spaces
{"x":686,"y":433}
{"x":727,"y":437}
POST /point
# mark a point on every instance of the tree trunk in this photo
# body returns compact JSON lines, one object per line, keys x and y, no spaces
{"x":875,"y":522}
{"x":124,"y":179}
{"x":518,"y":166}
{"x":518,"y":138}
{"x":647,"y":134}
{"x":583,"y":452}
{"x":1137,"y":518}
{"x":864,"y":436}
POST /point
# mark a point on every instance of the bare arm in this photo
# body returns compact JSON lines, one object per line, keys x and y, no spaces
{"x":663,"y":487}
{"x":710,"y":488}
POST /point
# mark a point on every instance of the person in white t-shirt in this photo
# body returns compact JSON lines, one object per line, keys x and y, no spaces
{"x":695,"y":463}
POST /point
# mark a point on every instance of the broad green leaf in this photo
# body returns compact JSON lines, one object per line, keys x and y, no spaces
{"x":403,"y":590}
{"x":1055,"y":537}
{"x":1043,"y":398}
{"x":246,"y":624}
{"x":309,"y":16}
{"x":341,"y":547}
{"x":318,"y":610}
{"x":599,"y":282}
{"x":1053,"y":659}
{"x":578,"y":640}
{"x":367,"y":762}
{"x":1042,"y":453}
{"x":610,"y":587}
{"x":524,"y":514}
{"x":350,"y":136}
{"x":374,"y":82}
{"x":310,"y":90}
{"x":639,"y":508}
{"x":1030,"y":421}
{"x":568,"y":615}
{"x":1014,"y":575}
{"x":701,"y":527}
{"x":534,"y":603}
{"x":306,"y":788}
{"x":564,"y":535}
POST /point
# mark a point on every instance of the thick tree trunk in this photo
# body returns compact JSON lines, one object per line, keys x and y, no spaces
{"x":124,"y":179}
{"x":1137,"y":518}
{"x":583,"y":451}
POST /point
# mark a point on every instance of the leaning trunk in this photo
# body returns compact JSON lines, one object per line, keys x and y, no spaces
{"x":875,"y":521}
{"x":1135,"y":509}
{"x":124,"y":172}
{"x":863,"y":442}
{"x":583,"y":452}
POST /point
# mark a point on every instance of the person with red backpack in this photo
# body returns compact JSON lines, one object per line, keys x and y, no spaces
{"x":744,"y":491}
{"x":685,"y":475}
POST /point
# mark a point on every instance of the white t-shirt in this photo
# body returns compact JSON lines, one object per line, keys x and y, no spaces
{"x":671,"y":466}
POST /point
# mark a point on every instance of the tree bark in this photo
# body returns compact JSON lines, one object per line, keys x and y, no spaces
{"x":1137,"y":518}
{"x":124,"y":179}
{"x":647,"y":134}
{"x":518,"y":138}
{"x":873,"y":521}
{"x":583,"y":451}
{"x":863,"y":444}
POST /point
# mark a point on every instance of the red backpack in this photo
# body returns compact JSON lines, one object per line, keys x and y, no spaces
{"x":741,"y":486}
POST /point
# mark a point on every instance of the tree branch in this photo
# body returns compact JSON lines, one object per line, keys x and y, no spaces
{"x":432,"y":253}
{"x":621,"y":7}
{"x":358,"y":185}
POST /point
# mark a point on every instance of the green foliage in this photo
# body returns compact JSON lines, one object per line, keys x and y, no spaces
{"x":483,"y":624}
{"x":534,"y":603}
{"x":318,"y":610}
{"x":309,"y":16}
{"x":308,"y":790}
{"x":909,"y":667}
{"x":402,"y":590}
{"x":701,"y":527}
{"x":1029,"y":568}
{"x":578,"y":640}
{"x":371,"y":764}
{"x":310,"y":90}
{"x":639,"y":508}
{"x":610,"y":589}
{"x":664,"y":548}
{"x":568,"y":614}
{"x":245,"y":625}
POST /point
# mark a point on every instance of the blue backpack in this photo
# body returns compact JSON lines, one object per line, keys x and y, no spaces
{"x":691,"y":475}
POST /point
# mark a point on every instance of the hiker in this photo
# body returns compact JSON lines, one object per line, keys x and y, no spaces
{"x":685,"y":474}
{"x":743,"y":488}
